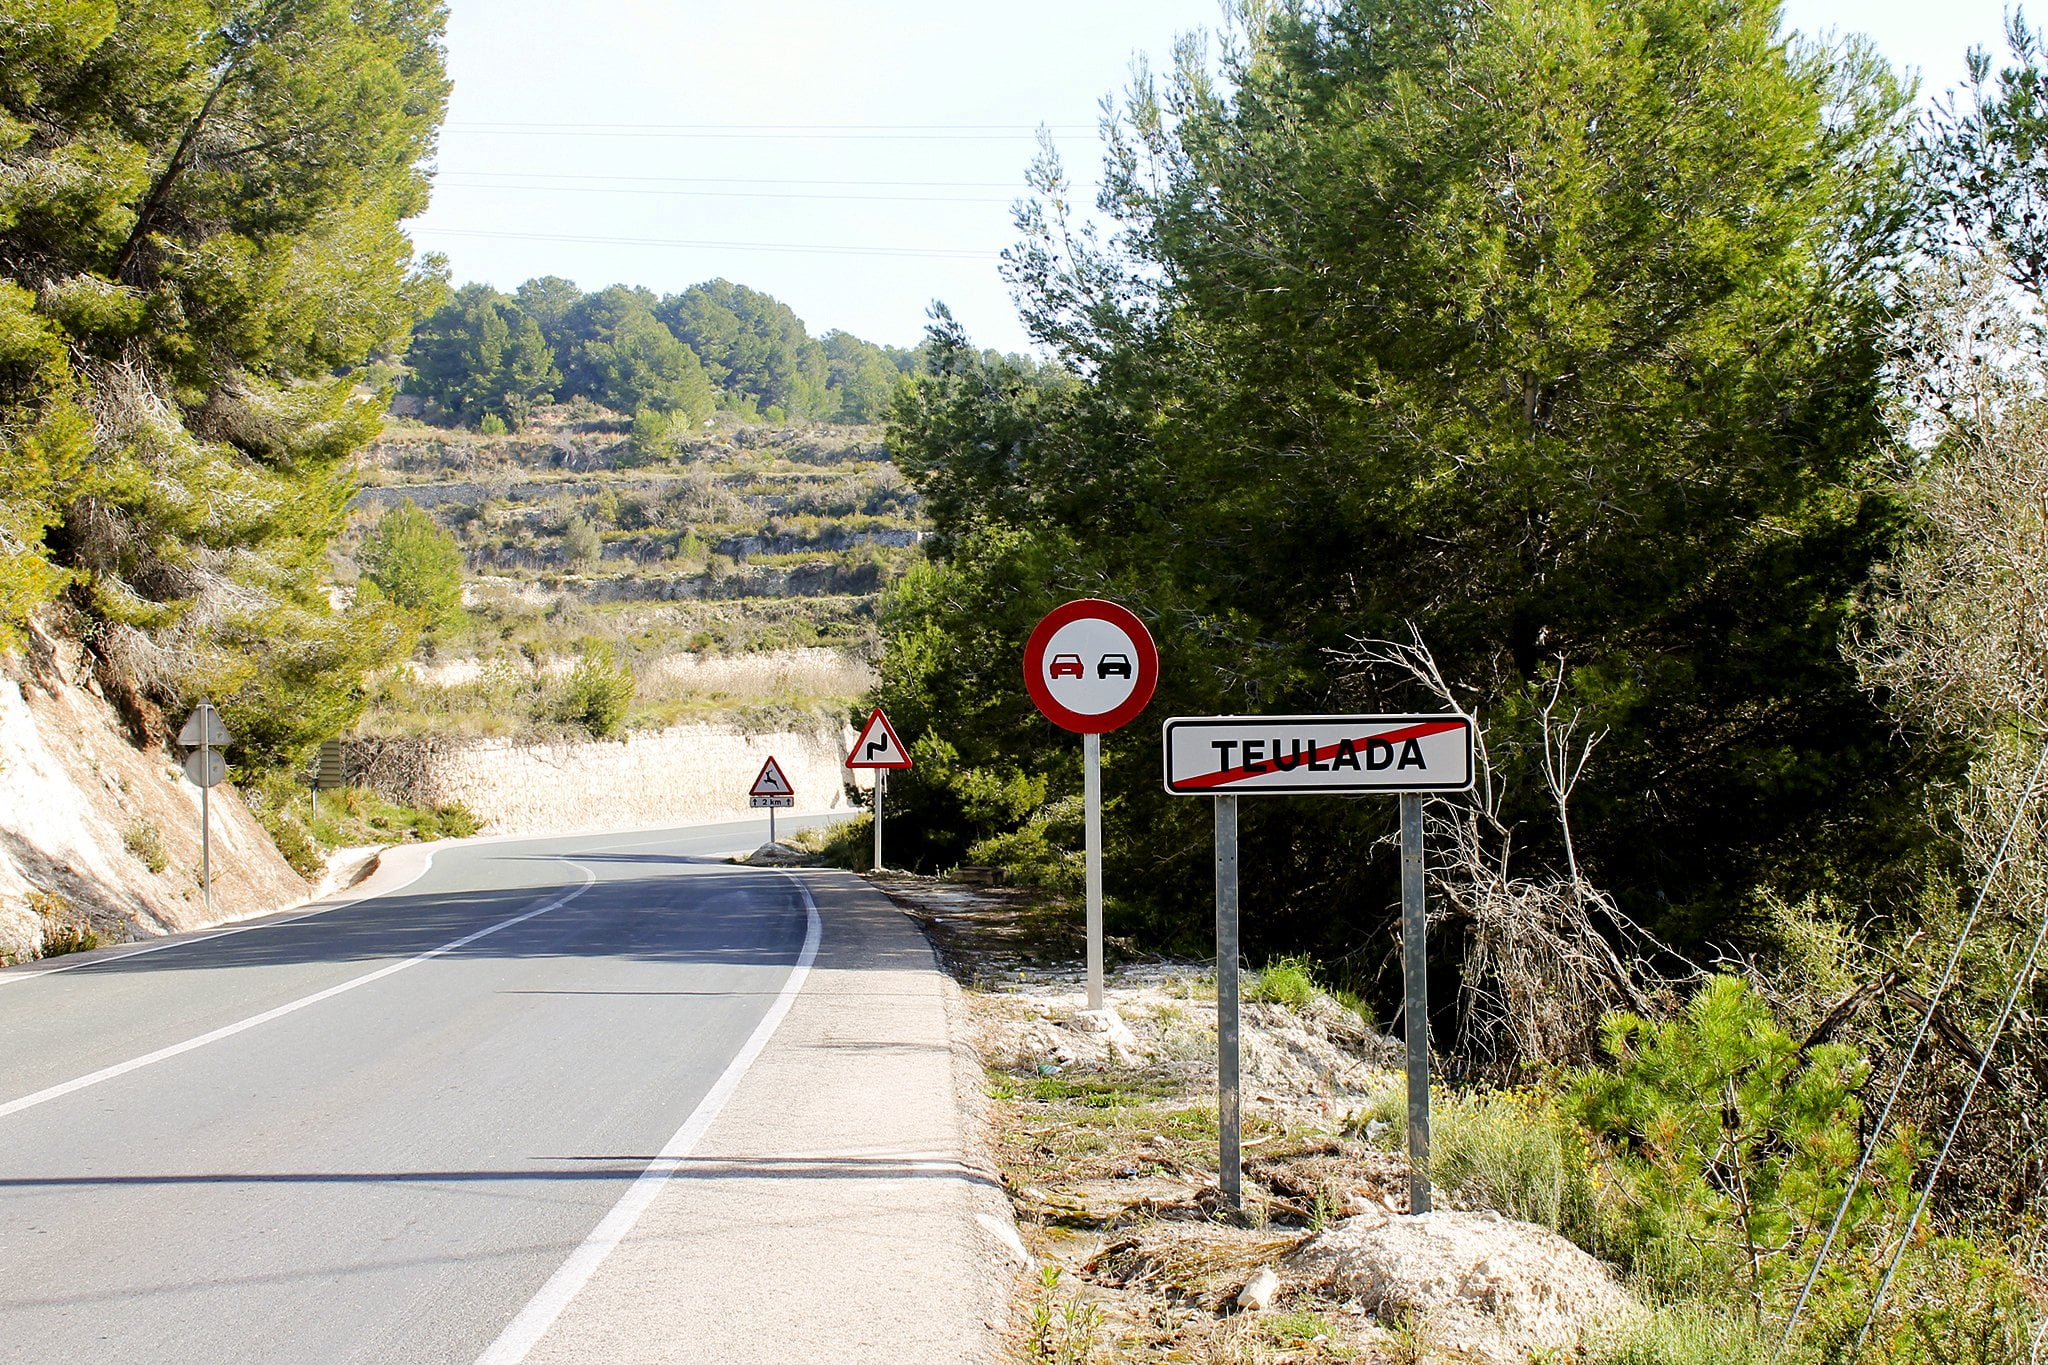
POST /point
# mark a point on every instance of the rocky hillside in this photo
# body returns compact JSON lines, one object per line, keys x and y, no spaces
{"x":99,"y":840}
{"x":571,"y":509}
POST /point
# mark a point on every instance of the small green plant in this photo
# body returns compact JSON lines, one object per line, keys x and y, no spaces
{"x":848,"y":844}
{"x":1684,"y":1334}
{"x":1510,"y":1151}
{"x":63,"y":931}
{"x":1299,"y":1328}
{"x":598,"y":692}
{"x":141,"y":839}
{"x":1288,"y":981}
{"x":1729,"y":1144}
{"x":1065,"y":1328}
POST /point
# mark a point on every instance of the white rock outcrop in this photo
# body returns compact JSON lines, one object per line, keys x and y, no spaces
{"x":1479,"y":1283}
{"x":106,"y":831}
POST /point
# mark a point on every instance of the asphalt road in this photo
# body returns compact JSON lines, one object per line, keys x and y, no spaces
{"x":377,"y":1132}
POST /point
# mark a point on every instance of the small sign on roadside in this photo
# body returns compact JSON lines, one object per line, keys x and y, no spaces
{"x":1225,"y":757}
{"x":879,"y":749}
{"x":205,"y":735}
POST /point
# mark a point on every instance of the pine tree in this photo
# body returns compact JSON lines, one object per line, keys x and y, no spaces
{"x":202,"y":199}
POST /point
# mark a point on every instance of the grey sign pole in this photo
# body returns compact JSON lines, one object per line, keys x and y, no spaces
{"x":1415,"y":973}
{"x":206,"y":841}
{"x":204,"y":733}
{"x":1091,"y":797}
{"x":881,"y":785}
{"x":1406,"y":755}
{"x":1229,"y":1114}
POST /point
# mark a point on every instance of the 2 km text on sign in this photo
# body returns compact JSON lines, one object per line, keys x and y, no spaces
{"x":1277,"y":755}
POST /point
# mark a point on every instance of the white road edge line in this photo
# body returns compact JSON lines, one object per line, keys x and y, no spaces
{"x":322,"y":907}
{"x":525,"y":1331}
{"x":290,"y":1007}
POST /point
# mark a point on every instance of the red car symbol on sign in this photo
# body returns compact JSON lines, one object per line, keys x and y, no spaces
{"x":1067,"y":666}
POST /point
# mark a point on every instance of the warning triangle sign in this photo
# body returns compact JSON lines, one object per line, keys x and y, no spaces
{"x":878,"y":746}
{"x":771,"y":782}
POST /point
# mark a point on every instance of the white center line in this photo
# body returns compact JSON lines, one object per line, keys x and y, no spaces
{"x":290,"y":1007}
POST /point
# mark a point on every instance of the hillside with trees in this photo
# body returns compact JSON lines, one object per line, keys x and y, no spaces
{"x":487,"y":360}
{"x":202,"y":255}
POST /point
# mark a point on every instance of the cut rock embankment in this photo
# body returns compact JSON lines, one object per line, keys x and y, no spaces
{"x":98,"y":835}
{"x":684,"y":775}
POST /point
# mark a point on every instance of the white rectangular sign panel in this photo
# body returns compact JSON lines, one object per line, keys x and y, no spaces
{"x":1280,"y":755}
{"x":771,"y":802}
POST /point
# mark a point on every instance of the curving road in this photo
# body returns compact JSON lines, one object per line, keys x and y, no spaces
{"x":414,"y":1127}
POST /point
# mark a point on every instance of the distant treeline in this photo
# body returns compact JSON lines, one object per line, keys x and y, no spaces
{"x":488,"y":359}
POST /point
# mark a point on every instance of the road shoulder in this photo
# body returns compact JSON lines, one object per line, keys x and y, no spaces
{"x":840,"y":1208}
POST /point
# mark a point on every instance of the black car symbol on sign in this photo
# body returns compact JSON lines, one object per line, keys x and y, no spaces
{"x":1118,"y":664}
{"x":1068,"y":666}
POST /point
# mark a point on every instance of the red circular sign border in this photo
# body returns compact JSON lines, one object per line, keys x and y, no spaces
{"x":1146,"y":683}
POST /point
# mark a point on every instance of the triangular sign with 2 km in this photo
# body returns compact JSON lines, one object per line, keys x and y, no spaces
{"x":772,"y":782}
{"x":878,"y":746}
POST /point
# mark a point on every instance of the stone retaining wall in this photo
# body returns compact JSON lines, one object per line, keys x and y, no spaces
{"x":684,"y":775}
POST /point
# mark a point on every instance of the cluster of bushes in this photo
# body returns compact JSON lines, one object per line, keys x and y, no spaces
{"x":306,"y":827}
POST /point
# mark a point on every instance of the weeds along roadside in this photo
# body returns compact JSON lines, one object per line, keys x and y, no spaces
{"x":1708,"y":1209}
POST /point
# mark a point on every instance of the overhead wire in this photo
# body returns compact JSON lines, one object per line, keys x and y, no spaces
{"x":1011,"y":184}
{"x":739,"y":194}
{"x":2021,"y":980}
{"x":745,"y":132}
{"x":812,"y":248}
{"x":1906,"y":1066}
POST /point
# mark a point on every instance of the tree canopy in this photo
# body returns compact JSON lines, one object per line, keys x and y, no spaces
{"x":200,"y":244}
{"x":714,"y":346}
{"x":1555,"y":332}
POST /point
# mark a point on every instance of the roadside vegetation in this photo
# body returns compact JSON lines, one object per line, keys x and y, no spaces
{"x":1663,"y":390}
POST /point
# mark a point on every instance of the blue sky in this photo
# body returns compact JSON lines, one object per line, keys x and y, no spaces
{"x":856,"y":161}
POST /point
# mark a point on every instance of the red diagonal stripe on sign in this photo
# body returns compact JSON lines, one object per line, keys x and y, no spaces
{"x":1229,"y":775}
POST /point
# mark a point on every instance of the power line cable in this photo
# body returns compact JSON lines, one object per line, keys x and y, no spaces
{"x":792,"y":128}
{"x":1906,"y":1066}
{"x":2019,"y":985}
{"x":934,"y":253}
{"x":1012,"y":184}
{"x":738,"y":194}
{"x":763,"y":133}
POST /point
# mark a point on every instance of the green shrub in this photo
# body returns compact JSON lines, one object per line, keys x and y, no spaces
{"x":145,"y":843}
{"x":450,"y":821}
{"x":1288,"y":981}
{"x":1511,"y":1151}
{"x":63,"y":930}
{"x":1951,"y":1303}
{"x":846,"y":843}
{"x":597,"y":693}
{"x":1727,"y":1144}
{"x":1685,"y":1334}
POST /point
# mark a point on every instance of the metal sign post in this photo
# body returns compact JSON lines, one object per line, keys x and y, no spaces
{"x":203,"y":733}
{"x":1091,"y":801}
{"x":1415,"y":1008}
{"x":1229,"y":1111}
{"x":1091,"y":667}
{"x":1225,"y":756}
{"x":878,"y":748}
